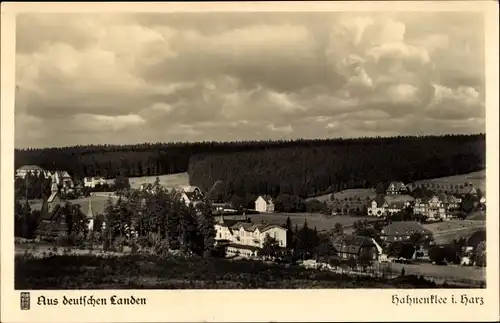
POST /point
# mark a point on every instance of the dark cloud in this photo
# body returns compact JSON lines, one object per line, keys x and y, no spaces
{"x":102,"y":78}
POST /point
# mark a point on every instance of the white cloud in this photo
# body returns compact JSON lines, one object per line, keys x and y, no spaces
{"x":315,"y":74}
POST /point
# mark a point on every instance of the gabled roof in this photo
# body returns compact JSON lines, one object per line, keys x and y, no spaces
{"x":266,"y":198}
{"x":251,"y":227}
{"x":397,"y":205}
{"x":228,"y":223}
{"x":423,"y":200}
{"x":62,"y":173}
{"x":476,"y":238}
{"x":468,"y":190}
{"x":53,"y":215}
{"x":52,"y":197}
{"x":351,"y":243}
{"x":30,"y":168}
{"x":397,"y":186}
{"x":380,"y":200}
{"x":187,"y":188}
{"x":405,"y":228}
{"x":193,"y":196}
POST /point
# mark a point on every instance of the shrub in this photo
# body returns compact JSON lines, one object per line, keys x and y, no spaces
{"x":161,"y":248}
{"x":134,"y":247}
{"x":106,"y":245}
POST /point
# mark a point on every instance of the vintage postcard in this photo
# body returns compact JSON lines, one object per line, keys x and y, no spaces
{"x":239,"y":161}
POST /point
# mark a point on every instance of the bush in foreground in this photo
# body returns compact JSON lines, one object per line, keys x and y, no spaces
{"x":152,"y":272}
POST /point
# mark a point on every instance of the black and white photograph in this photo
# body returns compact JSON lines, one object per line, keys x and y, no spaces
{"x":236,"y":150}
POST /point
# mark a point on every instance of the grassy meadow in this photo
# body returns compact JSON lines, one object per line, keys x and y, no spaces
{"x":478,"y":179}
{"x":169,"y":181}
{"x":318,"y":221}
{"x":362,"y":193}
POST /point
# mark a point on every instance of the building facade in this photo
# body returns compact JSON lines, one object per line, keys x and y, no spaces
{"x":403,"y":231}
{"x":264,"y":204}
{"x":396,"y":188}
{"x":438,"y":207}
{"x":92,"y":182}
{"x":247,"y":239}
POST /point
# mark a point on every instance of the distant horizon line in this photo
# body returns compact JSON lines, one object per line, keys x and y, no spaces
{"x":252,"y":141}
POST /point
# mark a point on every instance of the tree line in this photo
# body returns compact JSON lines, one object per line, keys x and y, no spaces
{"x":450,"y":154}
{"x":329,"y":166}
{"x":157,"y":219}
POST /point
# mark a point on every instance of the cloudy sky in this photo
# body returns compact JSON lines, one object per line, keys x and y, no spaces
{"x":119,"y":79}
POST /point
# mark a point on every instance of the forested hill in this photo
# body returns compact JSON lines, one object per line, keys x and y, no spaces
{"x":269,"y":166}
{"x":319,"y":167}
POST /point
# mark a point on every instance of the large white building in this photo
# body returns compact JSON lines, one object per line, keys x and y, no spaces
{"x":23,"y":171}
{"x":438,"y":207}
{"x":246,"y":239}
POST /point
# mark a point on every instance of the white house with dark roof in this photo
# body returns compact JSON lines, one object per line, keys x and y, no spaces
{"x":396,"y":188}
{"x":264,"y":203}
{"x":245,"y":238}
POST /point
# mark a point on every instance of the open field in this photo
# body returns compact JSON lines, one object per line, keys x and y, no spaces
{"x":154,"y":272}
{"x":440,"y":274}
{"x":321,"y":222}
{"x":478,"y":179}
{"x":447,"y":231}
{"x":477,"y":216}
{"x":362,"y":193}
{"x":169,"y":181}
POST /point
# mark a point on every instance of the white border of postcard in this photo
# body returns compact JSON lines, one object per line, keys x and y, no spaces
{"x":250,"y":305}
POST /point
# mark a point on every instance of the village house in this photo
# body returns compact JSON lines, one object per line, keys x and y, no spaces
{"x":245,"y":238}
{"x":396,"y":188}
{"x":357,"y":247}
{"x":468,"y":190}
{"x":264,"y":204}
{"x":438,"y":207}
{"x":90,"y":216}
{"x":23,"y":171}
{"x":396,"y":206}
{"x":92,"y":182}
{"x":474,"y":240}
{"x":390,"y":204}
{"x":378,"y":207}
{"x":190,"y":195}
{"x":62,"y":178}
{"x":151,"y":188}
{"x":470,"y":246}
{"x":403,"y":231}
{"x":52,"y":220}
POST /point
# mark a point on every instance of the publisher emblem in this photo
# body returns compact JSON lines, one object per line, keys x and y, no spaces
{"x":25,"y":301}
